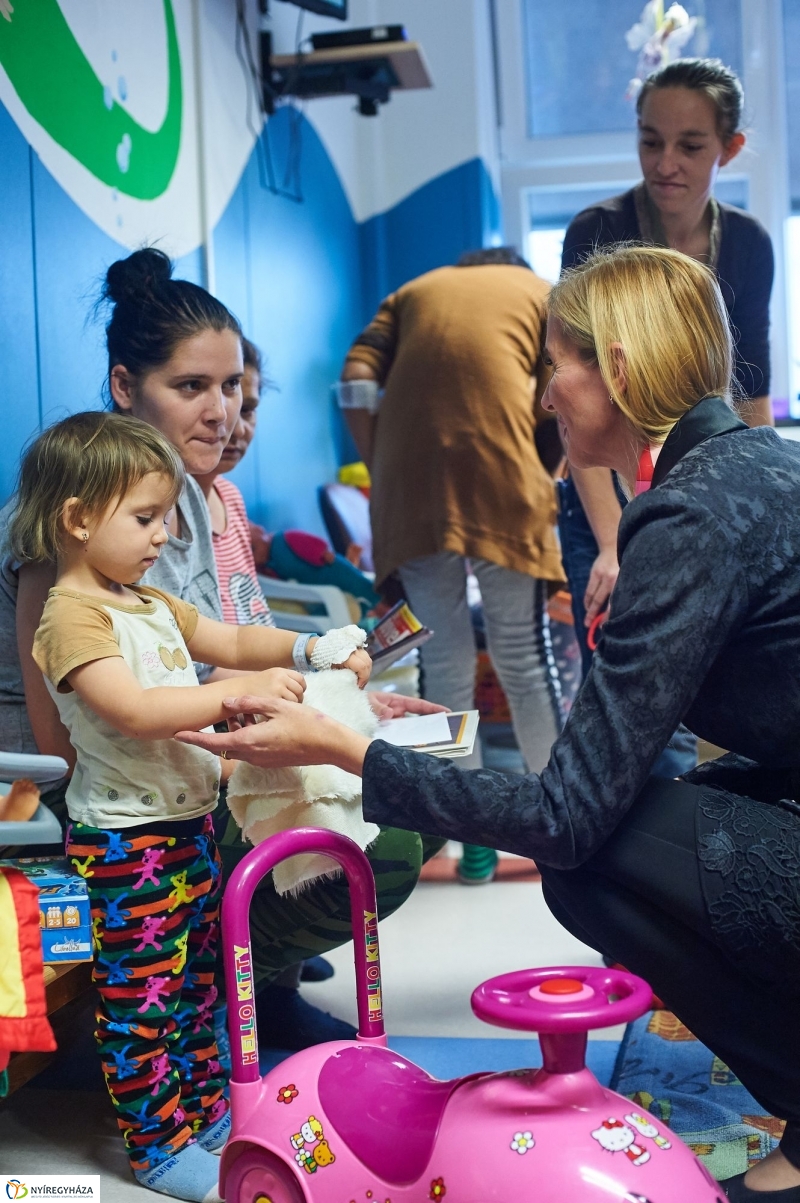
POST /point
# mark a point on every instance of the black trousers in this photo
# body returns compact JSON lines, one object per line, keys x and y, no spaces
{"x":639,"y":901}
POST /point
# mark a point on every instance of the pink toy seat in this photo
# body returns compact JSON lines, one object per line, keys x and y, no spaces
{"x":386,"y":1110}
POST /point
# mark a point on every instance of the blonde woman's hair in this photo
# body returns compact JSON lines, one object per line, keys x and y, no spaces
{"x":97,"y":457}
{"x":667,"y":312}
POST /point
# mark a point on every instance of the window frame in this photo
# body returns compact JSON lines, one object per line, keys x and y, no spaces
{"x":596,"y":160}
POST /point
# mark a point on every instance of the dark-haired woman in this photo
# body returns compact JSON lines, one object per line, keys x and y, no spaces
{"x":175,"y":361}
{"x":689,"y":126}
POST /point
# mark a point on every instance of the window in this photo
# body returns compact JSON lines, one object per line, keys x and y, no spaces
{"x":793,"y":275}
{"x":791,"y":41}
{"x":578,"y":65}
{"x":567,"y":133}
{"x":550,"y":210}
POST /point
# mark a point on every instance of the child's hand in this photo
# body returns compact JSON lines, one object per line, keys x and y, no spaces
{"x":361,"y":664}
{"x":279,"y":683}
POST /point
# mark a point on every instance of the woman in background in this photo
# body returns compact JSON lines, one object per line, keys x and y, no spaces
{"x":689,"y":126}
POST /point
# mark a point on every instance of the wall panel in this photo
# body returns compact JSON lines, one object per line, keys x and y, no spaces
{"x":19,"y":391}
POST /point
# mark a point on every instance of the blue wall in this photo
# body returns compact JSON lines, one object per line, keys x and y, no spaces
{"x":458,"y":211}
{"x":291,"y":273}
{"x":302,"y":278}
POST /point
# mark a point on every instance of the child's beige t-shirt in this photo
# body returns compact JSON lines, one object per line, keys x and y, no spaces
{"x":118,"y":781}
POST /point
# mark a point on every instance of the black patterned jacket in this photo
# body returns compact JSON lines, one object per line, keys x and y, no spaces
{"x":705,"y":629}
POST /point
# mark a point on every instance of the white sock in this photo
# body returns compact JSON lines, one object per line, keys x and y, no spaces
{"x":191,"y":1174}
{"x":213,"y":1138}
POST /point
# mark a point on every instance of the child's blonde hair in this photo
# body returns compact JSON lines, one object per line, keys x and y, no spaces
{"x":667,"y":312}
{"x":97,"y":457}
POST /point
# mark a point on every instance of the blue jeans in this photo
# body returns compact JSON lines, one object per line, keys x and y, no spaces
{"x":578,"y":552}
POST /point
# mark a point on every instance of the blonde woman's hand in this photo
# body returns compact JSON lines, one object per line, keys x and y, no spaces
{"x":272,"y":733}
{"x":397,"y":705}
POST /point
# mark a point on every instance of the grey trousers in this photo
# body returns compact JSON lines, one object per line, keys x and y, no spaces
{"x":517,"y":638}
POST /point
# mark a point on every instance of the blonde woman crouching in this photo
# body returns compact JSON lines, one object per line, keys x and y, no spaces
{"x":693,"y":883}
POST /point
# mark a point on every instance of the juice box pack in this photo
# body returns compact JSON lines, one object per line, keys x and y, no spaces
{"x":64,"y":917}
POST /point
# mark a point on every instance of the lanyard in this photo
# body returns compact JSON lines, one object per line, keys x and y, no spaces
{"x":644,"y":479}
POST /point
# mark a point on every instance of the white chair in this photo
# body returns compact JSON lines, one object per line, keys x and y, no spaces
{"x":305,"y":608}
{"x":44,"y":827}
{"x":316,"y":609}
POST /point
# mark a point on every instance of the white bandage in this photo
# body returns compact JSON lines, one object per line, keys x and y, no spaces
{"x":337,"y":646}
{"x":358,"y":394}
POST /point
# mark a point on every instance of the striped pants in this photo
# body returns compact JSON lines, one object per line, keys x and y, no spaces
{"x":155,"y":894}
{"x":286,"y":930}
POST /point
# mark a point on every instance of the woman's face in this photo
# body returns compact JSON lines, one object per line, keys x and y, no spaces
{"x":245,"y":427}
{"x":594,"y":432}
{"x":194,"y":399}
{"x":680,"y":150}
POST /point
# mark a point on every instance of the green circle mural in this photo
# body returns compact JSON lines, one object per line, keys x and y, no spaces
{"x":56,"y":83}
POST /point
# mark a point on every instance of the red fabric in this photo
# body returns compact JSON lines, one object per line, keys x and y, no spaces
{"x":644,"y":475}
{"x":30,"y":1032}
{"x":311,"y":548}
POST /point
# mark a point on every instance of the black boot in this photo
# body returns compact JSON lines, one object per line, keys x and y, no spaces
{"x":737,"y":1192}
{"x":285,"y":1020}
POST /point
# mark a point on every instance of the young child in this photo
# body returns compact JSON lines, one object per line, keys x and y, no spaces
{"x":95,"y":492}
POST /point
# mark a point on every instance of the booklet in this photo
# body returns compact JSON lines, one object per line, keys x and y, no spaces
{"x":397,"y":633}
{"x":438,"y":734}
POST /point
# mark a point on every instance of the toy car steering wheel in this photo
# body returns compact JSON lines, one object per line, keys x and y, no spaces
{"x":559,"y":1000}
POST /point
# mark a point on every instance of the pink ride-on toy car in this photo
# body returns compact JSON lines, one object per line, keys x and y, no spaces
{"x":354,"y":1122}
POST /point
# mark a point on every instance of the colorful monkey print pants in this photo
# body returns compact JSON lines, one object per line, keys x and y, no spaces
{"x":154,"y":894}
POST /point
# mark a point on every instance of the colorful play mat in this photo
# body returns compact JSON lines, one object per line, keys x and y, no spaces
{"x":663,"y":1068}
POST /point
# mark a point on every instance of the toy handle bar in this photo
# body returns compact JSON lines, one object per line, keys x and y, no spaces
{"x":236,"y":936}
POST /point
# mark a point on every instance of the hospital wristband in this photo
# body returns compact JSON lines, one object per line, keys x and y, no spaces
{"x":299,"y":654}
{"x":358,"y":394}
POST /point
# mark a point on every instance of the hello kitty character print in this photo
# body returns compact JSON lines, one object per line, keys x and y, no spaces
{"x":616,"y":1137}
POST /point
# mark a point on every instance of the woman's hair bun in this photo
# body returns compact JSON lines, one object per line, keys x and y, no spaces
{"x":138,"y":276}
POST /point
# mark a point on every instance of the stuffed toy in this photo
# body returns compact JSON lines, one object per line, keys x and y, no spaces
{"x":298,"y":556}
{"x":265,"y":801}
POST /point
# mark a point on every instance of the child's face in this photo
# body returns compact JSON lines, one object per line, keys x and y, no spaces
{"x":127,"y":539}
{"x":245,"y":428}
{"x":193,"y":399}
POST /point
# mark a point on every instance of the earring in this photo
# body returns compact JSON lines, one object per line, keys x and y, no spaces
{"x":611,"y":399}
{"x":85,"y":537}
